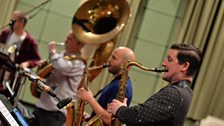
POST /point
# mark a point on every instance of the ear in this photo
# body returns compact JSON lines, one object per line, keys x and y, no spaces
{"x":185,"y":67}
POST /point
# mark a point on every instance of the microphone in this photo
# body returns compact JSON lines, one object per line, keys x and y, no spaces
{"x":64,"y":102}
{"x":36,"y":79}
{"x":39,"y":81}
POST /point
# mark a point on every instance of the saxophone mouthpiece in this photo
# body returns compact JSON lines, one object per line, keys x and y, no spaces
{"x":105,"y":65}
{"x":160,"y":69}
{"x":98,"y":67}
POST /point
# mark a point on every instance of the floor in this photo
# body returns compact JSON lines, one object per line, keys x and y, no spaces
{"x":190,"y":122}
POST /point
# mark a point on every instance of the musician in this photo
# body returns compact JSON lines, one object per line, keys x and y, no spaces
{"x":26,"y":48}
{"x":118,"y":57}
{"x":64,"y":79}
{"x":170,"y":105}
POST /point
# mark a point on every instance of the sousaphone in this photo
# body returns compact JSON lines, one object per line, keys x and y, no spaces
{"x":98,"y":22}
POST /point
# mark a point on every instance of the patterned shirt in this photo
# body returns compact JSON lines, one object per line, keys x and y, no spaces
{"x":168,"y":107}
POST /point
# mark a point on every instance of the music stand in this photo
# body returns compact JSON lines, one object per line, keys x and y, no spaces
{"x":6,"y":63}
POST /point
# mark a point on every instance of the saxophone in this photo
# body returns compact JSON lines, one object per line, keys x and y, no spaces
{"x":124,"y":78}
{"x":73,"y":118}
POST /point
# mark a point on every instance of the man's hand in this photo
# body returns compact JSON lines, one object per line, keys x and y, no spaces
{"x":85,"y":95}
{"x":52,"y":47}
{"x":24,"y":64}
{"x":115,"y":105}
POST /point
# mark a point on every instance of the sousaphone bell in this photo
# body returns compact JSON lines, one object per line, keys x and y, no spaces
{"x":98,"y":22}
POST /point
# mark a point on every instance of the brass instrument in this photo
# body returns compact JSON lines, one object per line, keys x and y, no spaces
{"x":124,"y":78}
{"x":60,"y":43}
{"x":9,"y":49}
{"x":98,"y":22}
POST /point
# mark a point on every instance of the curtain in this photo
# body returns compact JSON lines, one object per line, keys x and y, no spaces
{"x":203,"y":26}
{"x":6,"y":9}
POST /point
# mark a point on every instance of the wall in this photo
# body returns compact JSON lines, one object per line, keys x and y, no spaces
{"x":153,"y":36}
{"x":150,"y":38}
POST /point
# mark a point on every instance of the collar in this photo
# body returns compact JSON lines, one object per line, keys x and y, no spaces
{"x":183,"y":83}
{"x":118,"y":77}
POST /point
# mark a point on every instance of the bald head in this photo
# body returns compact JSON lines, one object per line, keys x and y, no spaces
{"x":118,"y":57}
{"x":126,"y":54}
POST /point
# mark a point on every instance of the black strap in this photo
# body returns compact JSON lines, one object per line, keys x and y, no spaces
{"x":99,"y":92}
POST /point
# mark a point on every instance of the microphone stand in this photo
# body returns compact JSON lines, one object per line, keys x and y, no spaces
{"x":42,"y":85}
{"x":38,"y":6}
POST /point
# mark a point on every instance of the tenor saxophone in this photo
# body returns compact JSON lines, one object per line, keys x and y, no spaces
{"x":75,"y":118}
{"x":124,"y":78}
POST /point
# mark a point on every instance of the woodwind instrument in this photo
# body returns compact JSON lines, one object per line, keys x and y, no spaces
{"x":84,"y":83}
{"x":123,"y":82}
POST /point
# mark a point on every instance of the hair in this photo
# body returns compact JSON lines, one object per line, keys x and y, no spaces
{"x":21,"y":16}
{"x":188,"y":53}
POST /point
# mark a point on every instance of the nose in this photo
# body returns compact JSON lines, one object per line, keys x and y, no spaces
{"x":164,"y":62}
{"x":109,"y":59}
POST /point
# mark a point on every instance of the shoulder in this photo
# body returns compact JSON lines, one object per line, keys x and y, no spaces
{"x":5,"y":32}
{"x":79,"y":63}
{"x":169,"y":92}
{"x":81,"y":60}
{"x":30,"y":39}
{"x":175,"y":94}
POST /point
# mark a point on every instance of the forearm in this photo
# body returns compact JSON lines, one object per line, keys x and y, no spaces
{"x":105,"y":116}
{"x":127,"y":115}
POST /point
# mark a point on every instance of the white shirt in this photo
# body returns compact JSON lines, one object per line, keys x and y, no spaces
{"x":66,"y":77}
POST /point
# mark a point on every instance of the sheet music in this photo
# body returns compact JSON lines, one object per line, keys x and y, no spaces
{"x":7,"y":115}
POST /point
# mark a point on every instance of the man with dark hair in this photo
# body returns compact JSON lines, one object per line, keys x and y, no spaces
{"x":170,"y":105}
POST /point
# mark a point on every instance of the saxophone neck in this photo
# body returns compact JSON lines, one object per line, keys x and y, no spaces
{"x":139,"y":65}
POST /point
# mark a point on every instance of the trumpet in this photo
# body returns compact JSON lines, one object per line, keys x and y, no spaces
{"x":60,"y":43}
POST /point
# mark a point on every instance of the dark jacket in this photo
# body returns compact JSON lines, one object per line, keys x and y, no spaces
{"x":28,"y":49}
{"x":168,"y":107}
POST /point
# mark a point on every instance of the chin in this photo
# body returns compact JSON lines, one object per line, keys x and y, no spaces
{"x":165,"y":78}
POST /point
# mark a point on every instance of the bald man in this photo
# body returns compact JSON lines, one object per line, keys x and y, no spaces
{"x":118,"y":57}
